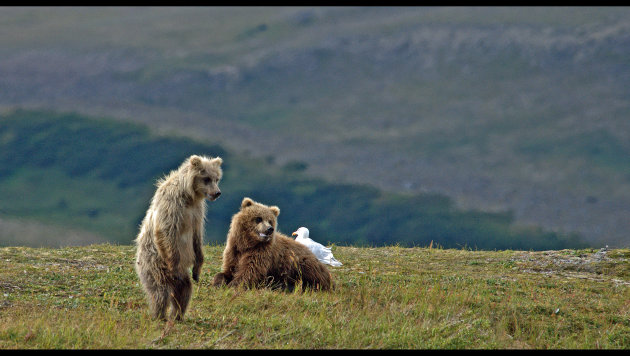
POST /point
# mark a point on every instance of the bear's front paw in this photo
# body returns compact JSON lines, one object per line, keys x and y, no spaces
{"x":220,"y":279}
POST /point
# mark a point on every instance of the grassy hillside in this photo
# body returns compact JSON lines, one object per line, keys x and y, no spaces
{"x":388,"y":297}
{"x":98,"y":175}
{"x":501,"y":108}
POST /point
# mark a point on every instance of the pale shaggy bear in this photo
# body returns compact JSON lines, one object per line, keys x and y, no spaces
{"x":257,"y":255}
{"x":171,"y":234}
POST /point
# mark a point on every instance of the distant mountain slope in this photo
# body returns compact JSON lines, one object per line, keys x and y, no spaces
{"x":520,"y":109}
{"x":98,"y":175}
{"x":23,"y":232}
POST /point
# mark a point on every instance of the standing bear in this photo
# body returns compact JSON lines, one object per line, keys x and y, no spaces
{"x":171,"y":234}
{"x":257,"y":255}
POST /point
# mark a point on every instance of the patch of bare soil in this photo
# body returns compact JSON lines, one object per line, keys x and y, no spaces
{"x":596,"y":265}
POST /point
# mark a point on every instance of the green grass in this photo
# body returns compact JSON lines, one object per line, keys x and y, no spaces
{"x":388,"y":297}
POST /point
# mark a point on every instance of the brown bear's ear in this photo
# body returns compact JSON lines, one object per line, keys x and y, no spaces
{"x":195,"y":161}
{"x":217,"y":161}
{"x":275,"y":210}
{"x":246,"y":202}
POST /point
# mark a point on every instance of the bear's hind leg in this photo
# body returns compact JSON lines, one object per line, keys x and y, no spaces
{"x":158,"y":301}
{"x":180,"y":297}
{"x":156,"y":292}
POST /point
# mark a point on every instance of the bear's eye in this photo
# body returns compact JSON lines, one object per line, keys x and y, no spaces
{"x":258,"y":220}
{"x":206,"y":180}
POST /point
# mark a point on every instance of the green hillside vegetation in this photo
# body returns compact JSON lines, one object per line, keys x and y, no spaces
{"x":500,"y":108}
{"x":95,"y":174}
{"x":99,"y":175}
{"x":388,"y":297}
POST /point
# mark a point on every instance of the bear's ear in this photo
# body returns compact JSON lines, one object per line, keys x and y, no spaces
{"x":275,"y":210}
{"x":195,"y":161}
{"x":217,"y":161}
{"x":246,"y":202}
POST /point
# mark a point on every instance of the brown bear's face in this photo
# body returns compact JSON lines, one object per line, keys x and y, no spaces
{"x":259,"y":220}
{"x":207,"y":174}
{"x":264,"y":227}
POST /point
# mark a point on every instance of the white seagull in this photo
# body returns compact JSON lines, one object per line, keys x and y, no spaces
{"x":323,"y":253}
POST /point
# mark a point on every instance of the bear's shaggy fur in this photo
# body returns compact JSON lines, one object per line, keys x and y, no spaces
{"x":171,"y":234}
{"x":257,"y":255}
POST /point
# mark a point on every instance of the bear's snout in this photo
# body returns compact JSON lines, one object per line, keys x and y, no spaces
{"x":265,"y":232}
{"x":215,"y":195}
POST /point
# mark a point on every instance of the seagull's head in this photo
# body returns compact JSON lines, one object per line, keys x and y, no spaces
{"x":300,"y":233}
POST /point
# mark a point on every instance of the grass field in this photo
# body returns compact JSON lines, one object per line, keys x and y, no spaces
{"x":387,"y":298}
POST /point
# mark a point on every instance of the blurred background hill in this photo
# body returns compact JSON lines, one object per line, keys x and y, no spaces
{"x":495,"y":125}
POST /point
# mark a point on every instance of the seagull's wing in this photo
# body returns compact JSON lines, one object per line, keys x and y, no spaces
{"x":320,"y":246}
{"x":333,"y":261}
{"x":323,"y":253}
{"x":315,"y":245}
{"x":329,"y":259}
{"x":311,"y":245}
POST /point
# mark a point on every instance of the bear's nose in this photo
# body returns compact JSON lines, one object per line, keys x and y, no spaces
{"x":270,"y":230}
{"x":216,"y":195}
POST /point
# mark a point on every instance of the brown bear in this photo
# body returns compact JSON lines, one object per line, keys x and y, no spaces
{"x":257,"y":255}
{"x":171,"y":234}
